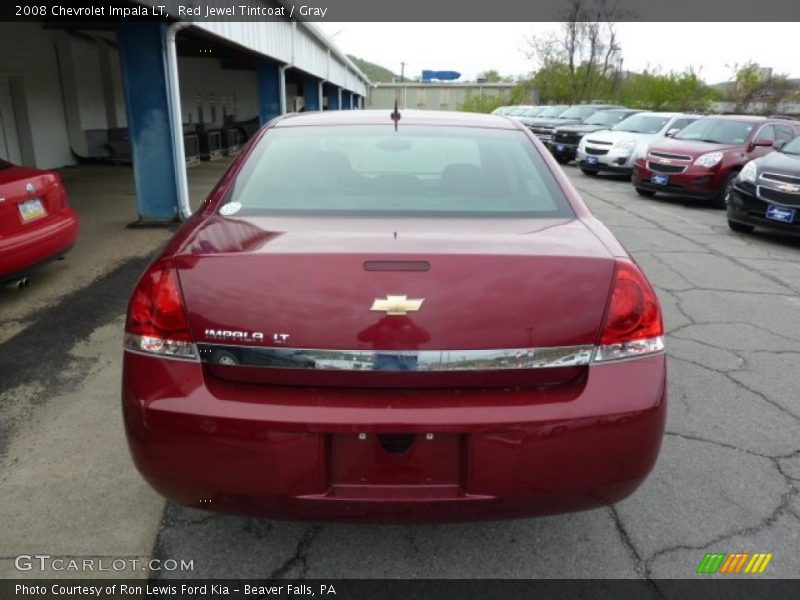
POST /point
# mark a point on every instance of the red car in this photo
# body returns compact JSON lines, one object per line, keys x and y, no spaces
{"x":409,"y":319}
{"x":36,"y":223}
{"x":703,"y":160}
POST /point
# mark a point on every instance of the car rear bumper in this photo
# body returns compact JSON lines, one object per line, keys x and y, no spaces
{"x":746,"y":208}
{"x":297,"y":453}
{"x":21,"y":252}
{"x":693,"y":183}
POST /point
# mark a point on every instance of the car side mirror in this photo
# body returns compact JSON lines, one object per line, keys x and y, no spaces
{"x":762,"y":143}
{"x":672,"y":132}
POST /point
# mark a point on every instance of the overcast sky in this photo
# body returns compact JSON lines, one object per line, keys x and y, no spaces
{"x":470,"y":48}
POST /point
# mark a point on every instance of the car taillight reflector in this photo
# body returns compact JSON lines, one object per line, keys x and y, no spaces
{"x":156,"y":322}
{"x":633,"y":324}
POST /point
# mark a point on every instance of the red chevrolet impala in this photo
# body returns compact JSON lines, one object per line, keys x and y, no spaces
{"x":36,"y":223}
{"x":413,"y":318}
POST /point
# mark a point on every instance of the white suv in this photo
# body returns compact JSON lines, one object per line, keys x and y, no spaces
{"x":616,"y":149}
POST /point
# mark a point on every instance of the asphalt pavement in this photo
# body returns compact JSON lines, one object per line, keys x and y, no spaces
{"x":727,"y":479}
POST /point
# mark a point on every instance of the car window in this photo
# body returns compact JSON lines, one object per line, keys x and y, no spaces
{"x":642,"y":124}
{"x":783,"y":133}
{"x":606,"y":117}
{"x":681,"y":123}
{"x":578,"y":112}
{"x":552,"y":111}
{"x":414,"y":171}
{"x":766,"y":133}
{"x":792,"y":147}
{"x":717,"y":131}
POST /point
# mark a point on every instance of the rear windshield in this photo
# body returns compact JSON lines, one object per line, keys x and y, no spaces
{"x":717,"y":131}
{"x":373,"y":170}
{"x":642,"y":124}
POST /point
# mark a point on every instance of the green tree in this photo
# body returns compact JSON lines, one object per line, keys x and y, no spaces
{"x":483,"y":103}
{"x":752,"y":85}
{"x":579,"y":61}
{"x":666,"y":91}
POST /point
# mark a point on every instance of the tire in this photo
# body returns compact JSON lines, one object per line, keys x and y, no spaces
{"x":562,"y":160}
{"x":589,"y":172}
{"x":645,"y":193}
{"x":721,"y":199}
{"x":740,"y":227}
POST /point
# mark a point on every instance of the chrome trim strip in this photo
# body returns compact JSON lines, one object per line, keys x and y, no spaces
{"x":779,"y":177}
{"x":401,"y":360}
{"x":671,"y":156}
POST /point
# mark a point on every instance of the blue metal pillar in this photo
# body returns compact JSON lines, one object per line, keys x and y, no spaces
{"x":333,"y":97}
{"x":145,"y":75}
{"x":312,"y":93}
{"x":347,"y":100}
{"x":270,"y":88}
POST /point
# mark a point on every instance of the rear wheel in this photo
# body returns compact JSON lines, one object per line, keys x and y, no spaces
{"x":740,"y":227}
{"x":721,"y":200}
{"x":589,"y":172}
{"x":645,"y":193}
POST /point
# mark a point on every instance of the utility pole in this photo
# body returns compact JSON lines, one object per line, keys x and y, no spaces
{"x":402,"y":72}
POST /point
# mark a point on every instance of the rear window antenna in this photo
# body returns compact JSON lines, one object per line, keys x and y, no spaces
{"x":395,"y":115}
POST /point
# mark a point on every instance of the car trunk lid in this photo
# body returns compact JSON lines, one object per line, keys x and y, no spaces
{"x":247,"y":289}
{"x":22,"y":187}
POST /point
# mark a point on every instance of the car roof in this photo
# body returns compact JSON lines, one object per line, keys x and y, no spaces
{"x":743,"y":118}
{"x":407,"y":117}
{"x":656,"y":113}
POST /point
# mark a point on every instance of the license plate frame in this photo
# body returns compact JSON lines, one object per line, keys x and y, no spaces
{"x":591,"y":160}
{"x":31,"y":210}
{"x":781,"y":214}
{"x":659,"y":179}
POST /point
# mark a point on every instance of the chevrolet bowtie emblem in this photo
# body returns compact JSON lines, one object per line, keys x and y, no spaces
{"x":397,"y":306}
{"x":788,"y":187}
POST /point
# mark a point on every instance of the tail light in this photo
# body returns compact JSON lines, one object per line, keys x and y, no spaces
{"x":633,"y":325}
{"x":62,"y":196}
{"x":156,"y":322}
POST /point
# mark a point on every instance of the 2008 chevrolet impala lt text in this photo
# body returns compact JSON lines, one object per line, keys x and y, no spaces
{"x":407,"y":318}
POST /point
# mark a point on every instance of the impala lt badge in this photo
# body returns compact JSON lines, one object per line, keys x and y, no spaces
{"x":239,"y":336}
{"x":397,"y":305}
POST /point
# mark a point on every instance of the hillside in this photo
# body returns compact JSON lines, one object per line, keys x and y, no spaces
{"x":376,"y":73}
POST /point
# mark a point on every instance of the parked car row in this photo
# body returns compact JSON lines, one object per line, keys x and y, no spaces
{"x":748,"y":165}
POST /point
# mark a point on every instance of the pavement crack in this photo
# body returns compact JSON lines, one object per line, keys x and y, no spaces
{"x":729,"y":376}
{"x":300,"y":555}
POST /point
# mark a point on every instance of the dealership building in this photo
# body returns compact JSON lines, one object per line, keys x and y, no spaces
{"x":160,"y":94}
